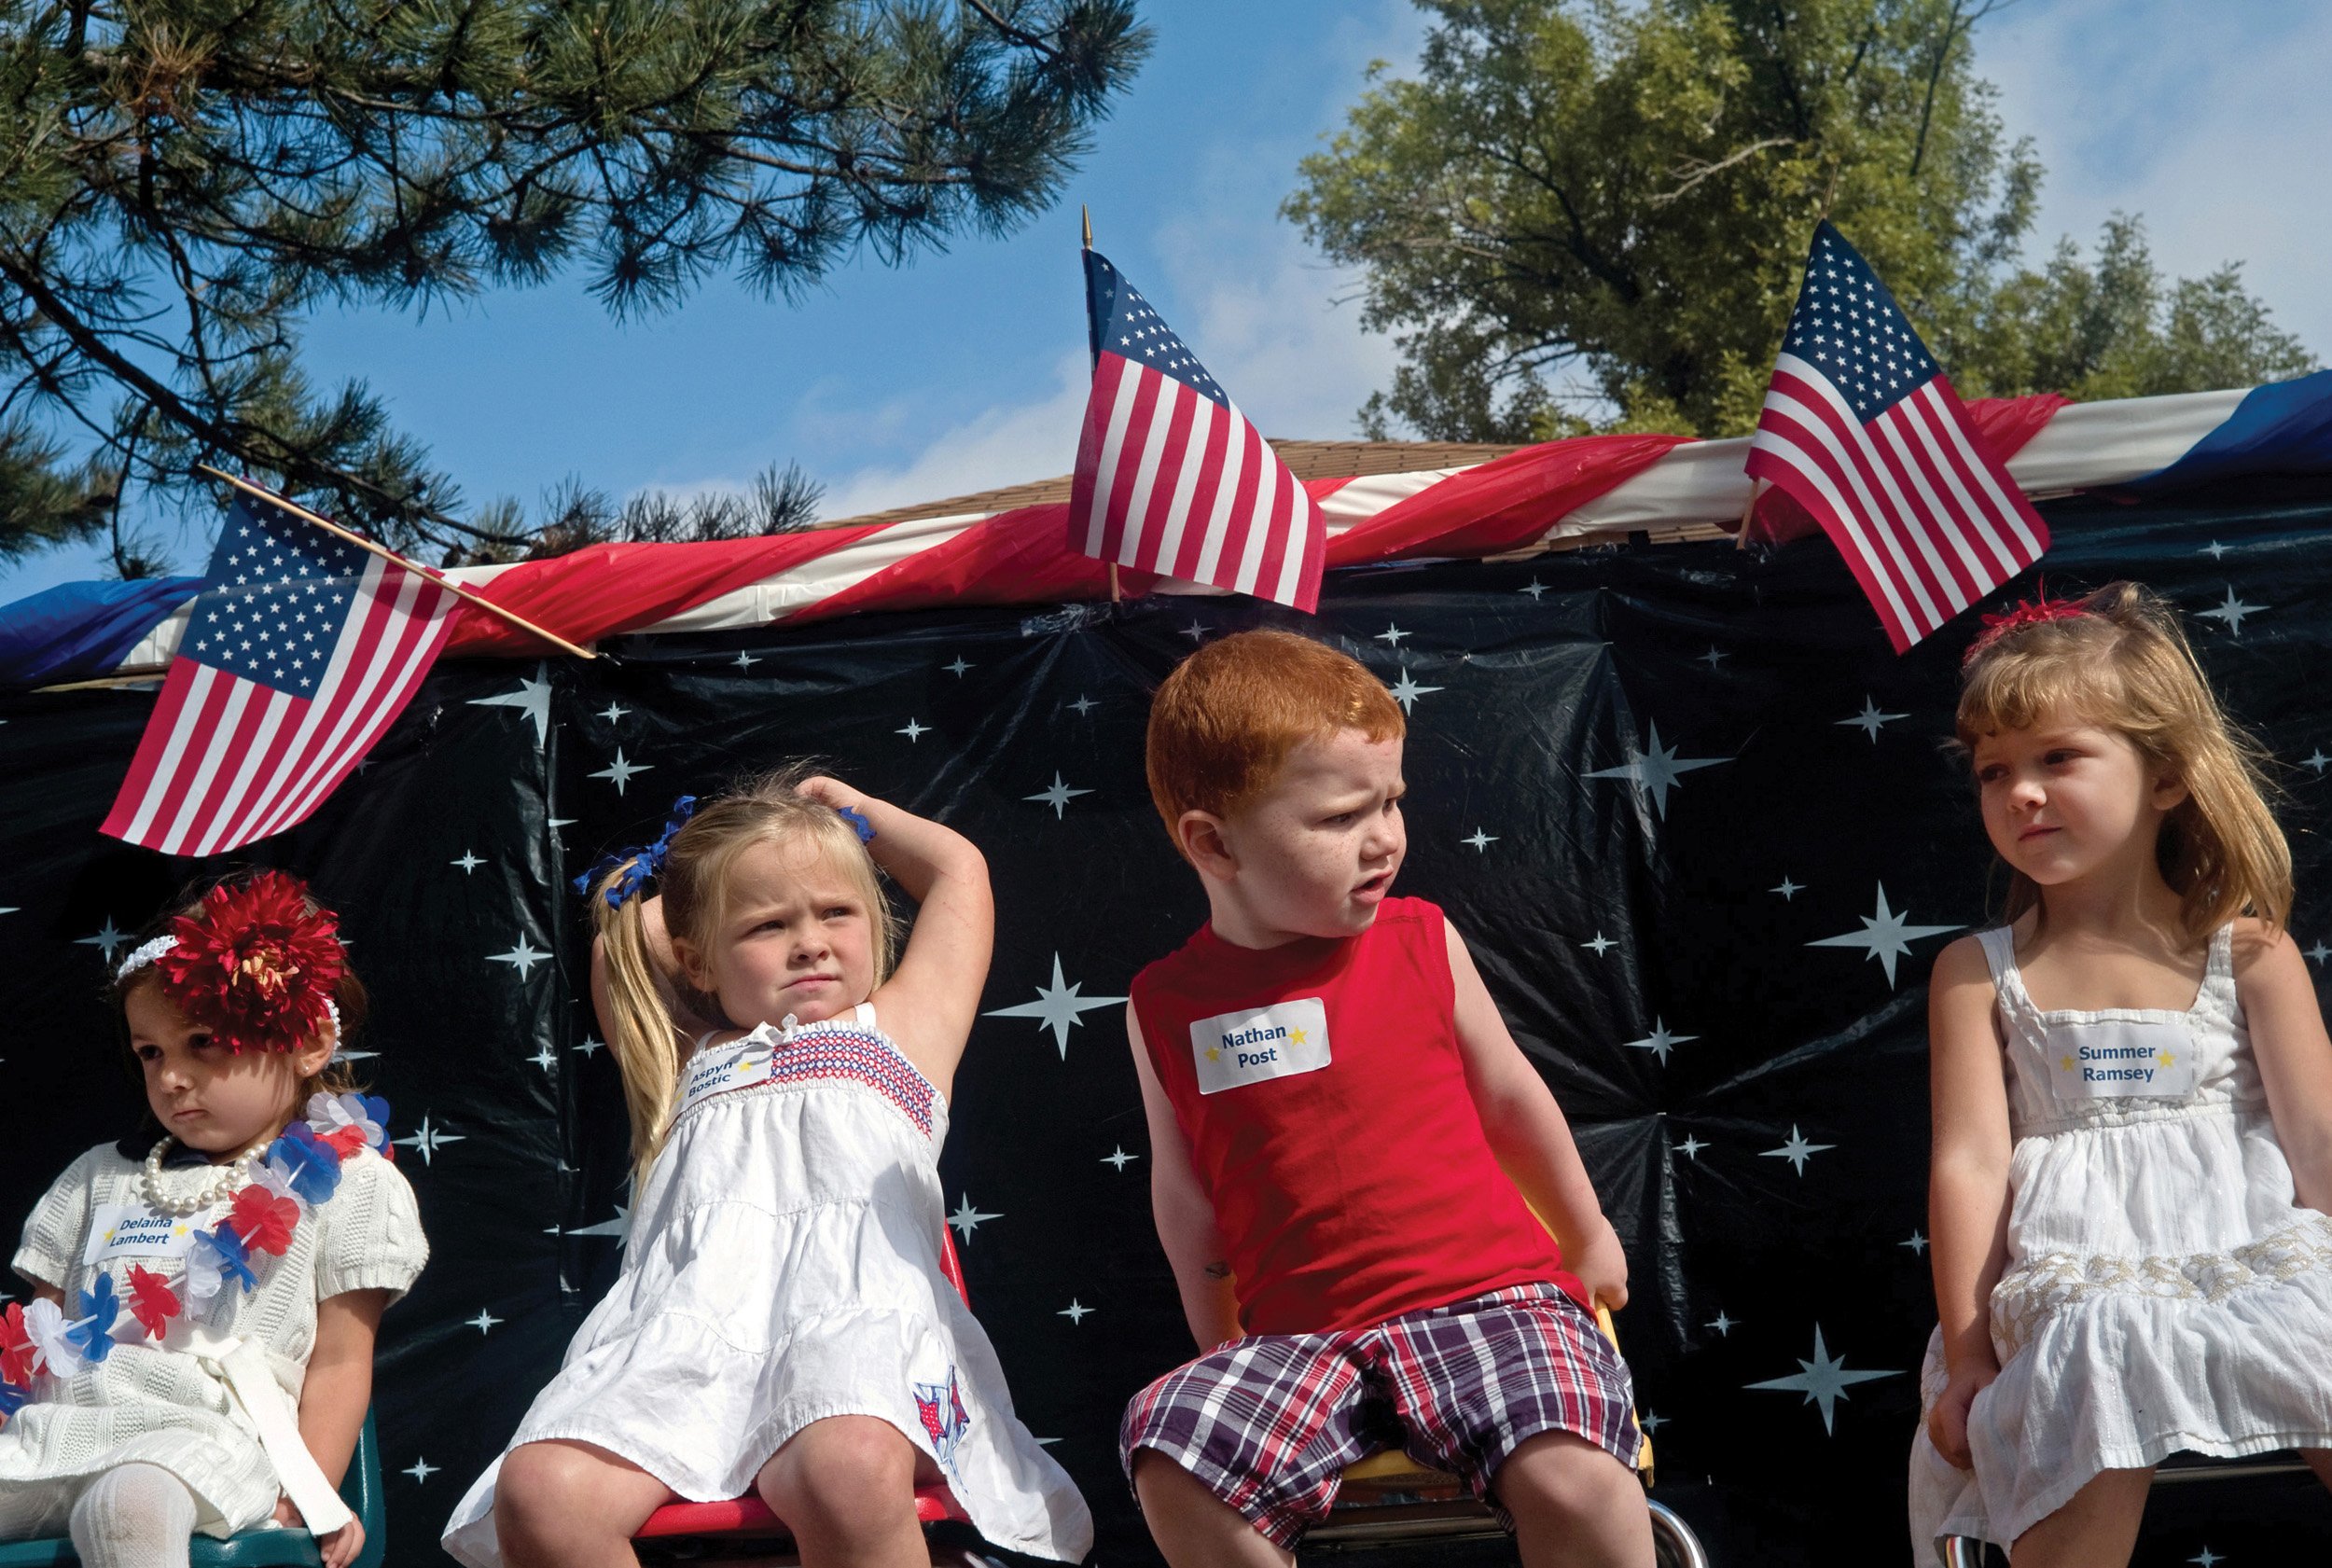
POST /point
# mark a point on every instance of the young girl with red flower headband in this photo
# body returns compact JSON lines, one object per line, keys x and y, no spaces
{"x":2132,"y":1105}
{"x":197,"y":1357}
{"x":783,"y":1324}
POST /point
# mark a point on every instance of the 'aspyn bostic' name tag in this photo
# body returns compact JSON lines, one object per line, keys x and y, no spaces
{"x":134,"y":1232}
{"x":1259,"y":1043}
{"x":2114,"y":1059}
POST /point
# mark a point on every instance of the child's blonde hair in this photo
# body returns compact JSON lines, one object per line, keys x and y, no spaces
{"x":693,"y":882}
{"x":2118,"y":659}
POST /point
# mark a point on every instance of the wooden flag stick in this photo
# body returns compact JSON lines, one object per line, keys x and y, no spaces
{"x":387,"y":554}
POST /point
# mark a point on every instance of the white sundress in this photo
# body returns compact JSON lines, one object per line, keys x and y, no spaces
{"x":785,"y":1266}
{"x":2163,"y":1290}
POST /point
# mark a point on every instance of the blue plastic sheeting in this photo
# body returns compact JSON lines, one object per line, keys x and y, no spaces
{"x":2285,"y":427}
{"x":79,"y":630}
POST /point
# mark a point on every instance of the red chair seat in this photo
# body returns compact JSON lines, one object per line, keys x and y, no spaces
{"x":750,"y":1516}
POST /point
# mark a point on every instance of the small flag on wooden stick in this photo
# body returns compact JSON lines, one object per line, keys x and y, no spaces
{"x":302,"y":650}
{"x":1862,"y":429}
{"x":1171,"y":477}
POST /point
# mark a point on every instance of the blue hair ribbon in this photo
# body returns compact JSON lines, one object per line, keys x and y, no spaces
{"x":865,"y":829}
{"x":645,"y":862}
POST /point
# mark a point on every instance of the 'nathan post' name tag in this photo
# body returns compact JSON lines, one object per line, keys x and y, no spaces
{"x":2114,"y":1059}
{"x":1246,"y":1047}
{"x":133,"y":1232}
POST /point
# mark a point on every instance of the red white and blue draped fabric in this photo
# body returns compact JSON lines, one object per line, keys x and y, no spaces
{"x":1862,"y":429}
{"x":1171,"y":477}
{"x":298,"y":653}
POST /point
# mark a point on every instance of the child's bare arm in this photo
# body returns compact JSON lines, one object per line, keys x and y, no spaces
{"x":333,"y":1399}
{"x":1967,"y":1184}
{"x":1184,"y":1218}
{"x":1529,"y":1135}
{"x":931,"y":999}
{"x":2279,"y":1002}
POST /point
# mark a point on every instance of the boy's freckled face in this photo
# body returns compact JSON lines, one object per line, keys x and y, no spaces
{"x":1317,"y":850}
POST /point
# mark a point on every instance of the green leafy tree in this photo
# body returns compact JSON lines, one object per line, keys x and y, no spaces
{"x":1594,"y":213}
{"x":182,"y":181}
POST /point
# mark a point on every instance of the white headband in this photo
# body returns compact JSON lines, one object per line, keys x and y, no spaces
{"x":147,"y":952}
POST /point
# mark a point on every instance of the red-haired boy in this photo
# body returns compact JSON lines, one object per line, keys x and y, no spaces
{"x":1347,"y":1146}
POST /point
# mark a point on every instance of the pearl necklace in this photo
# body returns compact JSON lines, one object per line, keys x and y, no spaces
{"x":223,"y":1180}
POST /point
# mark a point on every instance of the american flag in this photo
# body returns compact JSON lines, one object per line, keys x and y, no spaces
{"x":1171,"y":477}
{"x":1863,"y":431}
{"x":299,"y":653}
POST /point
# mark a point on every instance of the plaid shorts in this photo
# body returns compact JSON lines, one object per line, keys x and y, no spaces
{"x":1269,"y":1422}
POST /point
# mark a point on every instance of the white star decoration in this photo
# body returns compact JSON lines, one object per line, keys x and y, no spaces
{"x":744,"y":660}
{"x":1654,"y":770}
{"x":1076,"y":1311}
{"x":619,"y":1226}
{"x":421,"y":1469}
{"x":913,"y":730}
{"x":532,"y":698}
{"x":1918,"y":1244}
{"x":1534,"y":588}
{"x":620,"y":771}
{"x":523,"y":957}
{"x":967,"y":1220}
{"x":1084,"y":704}
{"x":957,"y":668}
{"x":545,"y":1059}
{"x":1602,"y":944}
{"x":426,"y":1141}
{"x":1057,"y":1007}
{"x":1659,"y":1042}
{"x":1406,"y":691}
{"x":612,"y":711}
{"x":106,"y":940}
{"x":468,"y":862}
{"x":1117,"y":1157}
{"x":1714,"y":659}
{"x":1885,"y":936}
{"x":2215,"y":550}
{"x":1870,"y":720}
{"x":2206,"y":1558}
{"x":1787,"y":889}
{"x":2231,"y":612}
{"x":1391,"y":635}
{"x":591,"y":1045}
{"x":1823,"y":1381}
{"x":1723,"y":1325}
{"x":1690,"y":1148}
{"x":1058,"y":795}
{"x":1797,"y":1151}
{"x":1480,"y":841}
{"x":483,"y":1322}
{"x":2316,"y":760}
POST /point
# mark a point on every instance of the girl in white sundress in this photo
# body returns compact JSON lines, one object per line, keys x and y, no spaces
{"x":782,"y":1323}
{"x":2132,"y":1103}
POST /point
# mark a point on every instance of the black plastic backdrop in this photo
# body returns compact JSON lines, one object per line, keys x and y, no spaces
{"x":1752,"y":1103}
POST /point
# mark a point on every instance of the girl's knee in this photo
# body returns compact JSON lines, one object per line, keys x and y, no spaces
{"x":842,"y":1469}
{"x":557,"y":1492}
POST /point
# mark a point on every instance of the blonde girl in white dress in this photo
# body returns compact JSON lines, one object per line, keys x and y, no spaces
{"x":197,"y":1357}
{"x":782,"y":1325}
{"x":2132,"y":1105}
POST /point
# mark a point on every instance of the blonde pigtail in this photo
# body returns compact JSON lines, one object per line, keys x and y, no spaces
{"x":640,"y":1028}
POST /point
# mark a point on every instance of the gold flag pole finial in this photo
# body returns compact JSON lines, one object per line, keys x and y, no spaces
{"x":1086,"y":212}
{"x":387,"y":554}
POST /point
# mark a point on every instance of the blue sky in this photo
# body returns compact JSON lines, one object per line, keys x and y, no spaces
{"x":965,"y":370}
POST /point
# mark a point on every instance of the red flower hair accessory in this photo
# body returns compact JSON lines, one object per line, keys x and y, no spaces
{"x":256,"y":966}
{"x":2027,"y":612}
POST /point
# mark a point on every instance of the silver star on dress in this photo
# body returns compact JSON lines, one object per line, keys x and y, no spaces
{"x":532,"y":698}
{"x":1659,"y":1042}
{"x":1797,"y":1151}
{"x":1480,"y":841}
{"x":1870,"y":720}
{"x":1885,"y":936}
{"x":1654,"y":770}
{"x":620,"y":771}
{"x":1058,"y":795}
{"x":425,"y":1140}
{"x":2232,"y":613}
{"x":967,"y":1220}
{"x":1057,"y":1007}
{"x":1823,"y":1381}
{"x":523,"y":957}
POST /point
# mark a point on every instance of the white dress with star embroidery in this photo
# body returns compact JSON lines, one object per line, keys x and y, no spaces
{"x":2163,"y":1290}
{"x":785,"y":1266}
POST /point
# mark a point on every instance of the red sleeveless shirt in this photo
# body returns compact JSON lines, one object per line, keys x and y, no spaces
{"x":1320,"y":1087}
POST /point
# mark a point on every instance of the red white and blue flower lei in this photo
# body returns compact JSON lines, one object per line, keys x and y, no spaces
{"x":300,"y":1171}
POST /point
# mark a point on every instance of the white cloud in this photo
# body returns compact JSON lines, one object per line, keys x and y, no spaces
{"x":1009,"y":444}
{"x":2210,"y":121}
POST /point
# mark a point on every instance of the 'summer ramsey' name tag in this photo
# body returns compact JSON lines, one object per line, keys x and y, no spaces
{"x":2114,"y":1059}
{"x":127,"y":1232}
{"x":1259,"y":1043}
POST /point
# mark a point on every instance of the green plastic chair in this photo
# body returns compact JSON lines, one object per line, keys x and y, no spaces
{"x":259,"y":1548}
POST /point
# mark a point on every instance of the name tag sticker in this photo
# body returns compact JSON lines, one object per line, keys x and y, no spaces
{"x":2120,"y":1058}
{"x":133,"y":1232}
{"x":1279,"y":1041}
